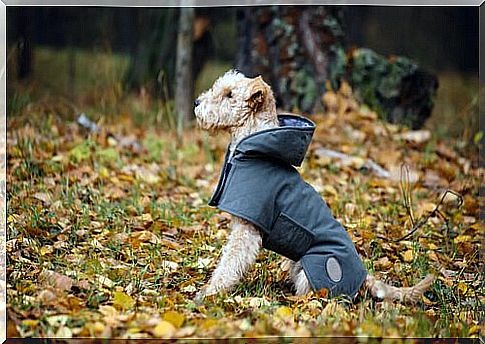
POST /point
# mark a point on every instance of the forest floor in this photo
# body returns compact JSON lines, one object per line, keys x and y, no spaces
{"x":110,"y":235}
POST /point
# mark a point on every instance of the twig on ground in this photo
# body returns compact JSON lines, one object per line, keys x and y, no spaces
{"x":432,"y":213}
{"x":348,"y":159}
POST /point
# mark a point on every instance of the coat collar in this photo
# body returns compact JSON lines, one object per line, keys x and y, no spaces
{"x":289,"y":142}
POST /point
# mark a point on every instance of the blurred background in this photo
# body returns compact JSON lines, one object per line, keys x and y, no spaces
{"x":108,"y":62}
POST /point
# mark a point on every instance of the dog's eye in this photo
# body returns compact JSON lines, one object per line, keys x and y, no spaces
{"x":229,"y":94}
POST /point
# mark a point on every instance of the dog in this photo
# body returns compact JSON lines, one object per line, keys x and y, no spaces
{"x":271,"y":206}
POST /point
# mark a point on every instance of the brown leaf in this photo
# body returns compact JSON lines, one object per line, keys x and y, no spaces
{"x":44,"y":197}
{"x":56,"y":280}
{"x":417,"y":136}
{"x":382,"y":263}
{"x":146,"y":236}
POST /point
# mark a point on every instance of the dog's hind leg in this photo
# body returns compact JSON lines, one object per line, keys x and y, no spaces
{"x":238,"y":255}
{"x":300,"y":281}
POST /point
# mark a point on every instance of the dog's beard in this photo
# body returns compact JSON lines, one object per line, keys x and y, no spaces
{"x":212,"y":127}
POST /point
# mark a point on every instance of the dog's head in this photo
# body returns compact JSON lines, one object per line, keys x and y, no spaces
{"x":232,"y":100}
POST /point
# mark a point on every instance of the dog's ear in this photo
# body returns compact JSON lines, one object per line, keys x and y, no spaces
{"x":258,"y":93}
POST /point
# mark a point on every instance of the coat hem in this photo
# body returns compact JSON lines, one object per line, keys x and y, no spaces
{"x":245,"y":217}
{"x":352,"y":293}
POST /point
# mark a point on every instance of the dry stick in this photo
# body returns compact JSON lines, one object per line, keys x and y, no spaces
{"x":432,"y":213}
{"x":347,"y":159}
{"x":405,"y":187}
{"x":447,"y":229}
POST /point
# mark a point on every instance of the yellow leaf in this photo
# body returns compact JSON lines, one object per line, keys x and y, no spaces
{"x":30,"y":322}
{"x":123,"y":301}
{"x":462,"y":238}
{"x":284,"y":313}
{"x":407,"y":256}
{"x":329,"y":190}
{"x":134,"y":330}
{"x":164,"y":329}
{"x":98,"y":327}
{"x":463,"y":288}
{"x":108,"y":311}
{"x":11,"y":218}
{"x":45,"y":250}
{"x":103,"y":172}
{"x":432,"y":256}
{"x":146,"y":217}
{"x":175,"y":318}
{"x":477,"y":226}
{"x":475,"y":329}
{"x":208,"y":323}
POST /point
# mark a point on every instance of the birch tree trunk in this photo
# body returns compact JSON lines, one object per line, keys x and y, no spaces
{"x":184,"y":91}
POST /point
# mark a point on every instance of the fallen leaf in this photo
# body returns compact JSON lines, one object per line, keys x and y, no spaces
{"x":44,"y":197}
{"x":175,"y":318}
{"x":257,"y":302}
{"x":56,"y":280}
{"x":433,"y":256}
{"x":123,"y":301}
{"x":202,"y":263}
{"x":57,"y":320}
{"x":462,"y":238}
{"x":382,"y":263}
{"x":146,"y":236}
{"x":164,"y":329}
{"x":63,"y":332}
{"x":284,"y":313}
{"x":189,"y":289}
{"x":417,"y":136}
{"x":47,"y":297}
{"x":105,"y":281}
{"x":407,"y":256}
{"x":169,"y":265}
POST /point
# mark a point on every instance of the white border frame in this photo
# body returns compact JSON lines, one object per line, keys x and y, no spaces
{"x":167,"y":3}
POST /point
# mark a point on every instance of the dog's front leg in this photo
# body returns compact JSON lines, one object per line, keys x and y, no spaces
{"x":238,"y":255}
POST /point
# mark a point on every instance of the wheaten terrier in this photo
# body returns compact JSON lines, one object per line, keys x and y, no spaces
{"x":270,"y":204}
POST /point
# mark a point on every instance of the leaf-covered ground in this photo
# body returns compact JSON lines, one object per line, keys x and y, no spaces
{"x":109,"y":234}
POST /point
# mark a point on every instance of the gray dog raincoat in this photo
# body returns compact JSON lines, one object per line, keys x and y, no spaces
{"x":259,"y":184}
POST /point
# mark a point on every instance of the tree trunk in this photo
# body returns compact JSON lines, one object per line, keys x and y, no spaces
{"x":153,"y":63}
{"x":184,"y":90}
{"x":25,"y":30}
{"x":291,"y":47}
{"x":300,"y":51}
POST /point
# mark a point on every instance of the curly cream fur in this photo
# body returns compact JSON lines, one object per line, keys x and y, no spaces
{"x":243,"y":106}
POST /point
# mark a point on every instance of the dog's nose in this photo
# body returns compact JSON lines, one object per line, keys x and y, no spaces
{"x":196,"y":102}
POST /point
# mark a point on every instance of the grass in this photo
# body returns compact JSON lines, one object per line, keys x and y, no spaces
{"x":455,"y":113}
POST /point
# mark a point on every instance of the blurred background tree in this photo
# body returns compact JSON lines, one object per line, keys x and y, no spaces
{"x":112,"y":60}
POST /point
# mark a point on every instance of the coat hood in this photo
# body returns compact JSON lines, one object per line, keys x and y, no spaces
{"x":289,"y":142}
